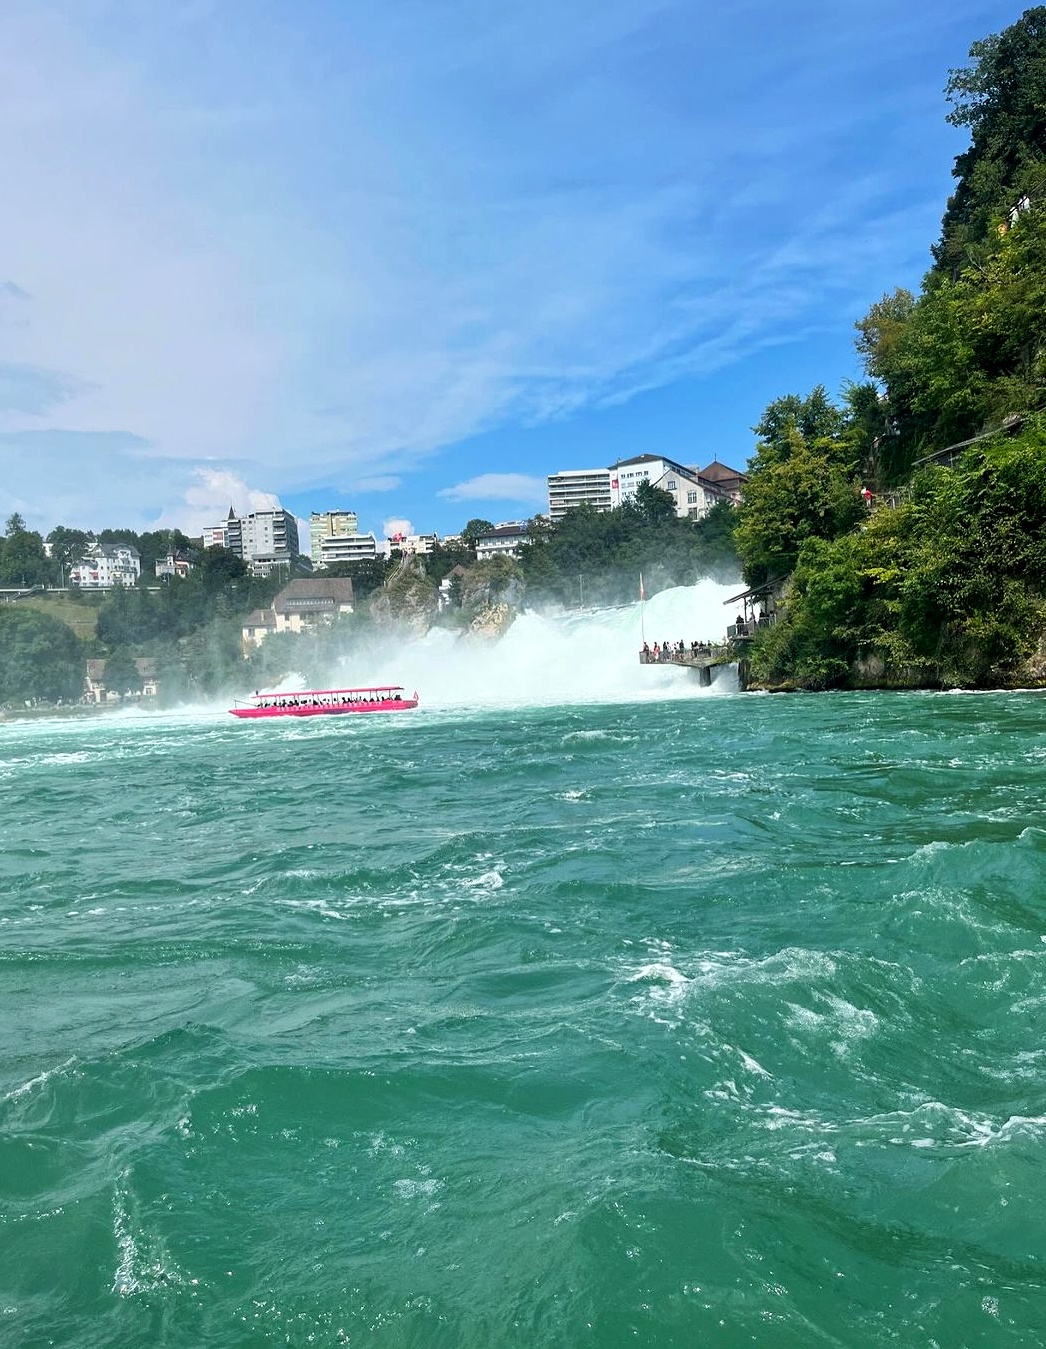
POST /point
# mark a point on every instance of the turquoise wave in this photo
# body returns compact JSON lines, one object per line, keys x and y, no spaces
{"x":712,"y":1021}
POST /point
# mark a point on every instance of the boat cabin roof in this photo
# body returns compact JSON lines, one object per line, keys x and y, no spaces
{"x":317,"y":693}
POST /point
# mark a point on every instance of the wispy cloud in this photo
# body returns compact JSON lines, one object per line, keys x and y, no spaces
{"x":26,"y":389}
{"x":498,"y":487}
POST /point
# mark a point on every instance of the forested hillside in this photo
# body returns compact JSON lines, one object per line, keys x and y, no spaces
{"x":941,"y":580}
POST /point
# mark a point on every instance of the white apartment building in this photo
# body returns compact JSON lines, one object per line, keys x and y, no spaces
{"x":173,"y":565}
{"x":579,"y":486}
{"x":107,"y":565}
{"x":694,"y":491}
{"x":643,"y":468}
{"x":216,"y":536}
{"x":692,"y":498}
{"x":352,"y":548}
{"x":264,"y":539}
{"x":327,"y":525}
{"x":502,"y":541}
{"x":414,"y":545}
{"x":269,"y":537}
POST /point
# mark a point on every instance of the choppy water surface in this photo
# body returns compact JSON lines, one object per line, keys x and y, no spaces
{"x":708,"y":1021}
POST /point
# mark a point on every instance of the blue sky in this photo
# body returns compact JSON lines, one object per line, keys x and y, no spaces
{"x":411,"y":257}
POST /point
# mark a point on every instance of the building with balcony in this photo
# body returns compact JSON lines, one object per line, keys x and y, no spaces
{"x":502,"y":541}
{"x":264,"y":540}
{"x":413,"y":545}
{"x":173,"y":565}
{"x":694,"y":491}
{"x":576,"y":487}
{"x":107,"y":565}
{"x":351,"y":548}
{"x":325,"y":526}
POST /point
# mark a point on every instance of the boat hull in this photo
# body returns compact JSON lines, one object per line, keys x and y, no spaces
{"x":314,"y":710}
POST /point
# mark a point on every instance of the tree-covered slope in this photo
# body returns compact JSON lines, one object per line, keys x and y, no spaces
{"x":943,"y":581}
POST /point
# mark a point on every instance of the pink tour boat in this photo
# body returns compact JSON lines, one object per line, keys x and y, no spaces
{"x":326,"y":702}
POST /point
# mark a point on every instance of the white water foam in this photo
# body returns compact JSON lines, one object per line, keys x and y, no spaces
{"x":568,"y":658}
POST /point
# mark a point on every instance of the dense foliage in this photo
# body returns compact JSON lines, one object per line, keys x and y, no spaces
{"x":944,"y":582}
{"x":40,"y":658}
{"x":593,"y":557}
{"x":802,"y":484}
{"x":971,"y":348}
{"x":944,"y":589}
{"x":24,"y":560}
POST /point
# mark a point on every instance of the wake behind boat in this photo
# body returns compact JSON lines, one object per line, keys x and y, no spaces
{"x":326,"y":702}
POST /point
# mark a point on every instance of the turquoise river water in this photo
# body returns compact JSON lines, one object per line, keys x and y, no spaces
{"x":667,"y":1018}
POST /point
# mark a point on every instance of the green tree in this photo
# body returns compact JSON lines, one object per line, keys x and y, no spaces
{"x":654,"y":506}
{"x":805,"y":496}
{"x":216,"y":568}
{"x":40,"y":657}
{"x":121,"y":673}
{"x":1001,"y":97}
{"x":473,"y":530}
{"x":158,"y":543}
{"x":791,"y":422}
{"x":68,"y":547}
{"x":23,"y":558}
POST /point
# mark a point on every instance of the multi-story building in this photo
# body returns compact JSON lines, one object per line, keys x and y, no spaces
{"x":216,"y":536}
{"x":312,"y":600}
{"x":414,"y":545}
{"x":581,"y":486}
{"x":301,"y":605}
{"x":503,"y":540}
{"x":728,"y":482}
{"x":649,"y":468}
{"x":327,"y":525}
{"x":107,"y":565}
{"x":353,"y":548}
{"x":694,"y":491}
{"x":173,"y":565}
{"x":269,"y":540}
{"x":264,"y":539}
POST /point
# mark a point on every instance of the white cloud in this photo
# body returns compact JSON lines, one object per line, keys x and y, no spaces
{"x":208,"y":500}
{"x":396,"y":526}
{"x":498,"y":487}
{"x":99,"y":481}
{"x":226,"y":250}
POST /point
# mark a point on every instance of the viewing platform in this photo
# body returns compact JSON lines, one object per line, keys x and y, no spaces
{"x":699,"y":656}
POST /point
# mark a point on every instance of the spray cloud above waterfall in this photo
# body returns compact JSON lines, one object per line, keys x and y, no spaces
{"x":543,"y":658}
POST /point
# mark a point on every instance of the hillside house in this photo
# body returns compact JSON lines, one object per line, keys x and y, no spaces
{"x":96,"y":690}
{"x":302,"y":605}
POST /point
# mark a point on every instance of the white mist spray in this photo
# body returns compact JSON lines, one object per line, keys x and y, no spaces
{"x":570,"y":658}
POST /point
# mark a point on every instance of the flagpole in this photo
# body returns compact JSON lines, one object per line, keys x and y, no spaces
{"x":642,"y":608}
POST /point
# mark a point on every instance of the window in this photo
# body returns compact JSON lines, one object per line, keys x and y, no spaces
{"x":671,"y":485}
{"x":691,"y":498}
